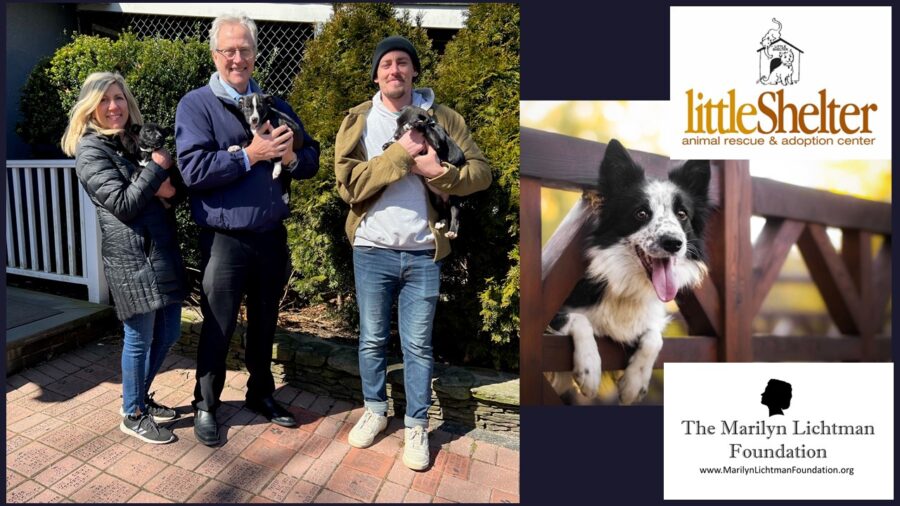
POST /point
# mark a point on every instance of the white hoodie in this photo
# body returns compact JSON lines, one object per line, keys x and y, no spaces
{"x":399,"y":218}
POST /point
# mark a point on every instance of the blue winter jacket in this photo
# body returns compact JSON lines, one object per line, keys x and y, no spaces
{"x":223,"y":193}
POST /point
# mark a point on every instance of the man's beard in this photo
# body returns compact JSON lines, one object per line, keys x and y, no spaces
{"x":395,"y":94}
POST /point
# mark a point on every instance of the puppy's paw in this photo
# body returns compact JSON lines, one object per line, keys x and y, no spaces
{"x":234,"y":149}
{"x":632,"y":387}
{"x":450,"y":235}
{"x":440,"y":225}
{"x":587,"y":370}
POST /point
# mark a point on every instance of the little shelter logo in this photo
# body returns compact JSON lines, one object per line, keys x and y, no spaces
{"x":797,"y":95}
{"x":779,"y":60}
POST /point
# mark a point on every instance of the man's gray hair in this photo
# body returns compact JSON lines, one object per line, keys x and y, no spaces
{"x":227,"y":19}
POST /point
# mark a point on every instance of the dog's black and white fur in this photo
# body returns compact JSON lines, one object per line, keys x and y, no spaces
{"x":645,"y":243}
{"x":259,"y":108}
{"x":447,"y":206}
{"x":148,"y":138}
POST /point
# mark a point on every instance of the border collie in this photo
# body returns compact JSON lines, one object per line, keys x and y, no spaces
{"x":645,"y":242}
{"x":258,"y":108}
{"x":447,"y":206}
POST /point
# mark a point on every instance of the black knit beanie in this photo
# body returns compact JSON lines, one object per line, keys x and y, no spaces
{"x":394,"y":43}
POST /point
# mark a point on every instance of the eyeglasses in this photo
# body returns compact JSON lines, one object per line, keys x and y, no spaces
{"x":246,"y":53}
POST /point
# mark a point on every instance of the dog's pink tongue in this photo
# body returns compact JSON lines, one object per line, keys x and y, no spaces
{"x":664,"y":279}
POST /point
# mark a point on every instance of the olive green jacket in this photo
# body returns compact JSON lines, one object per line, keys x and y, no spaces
{"x":360,"y":182}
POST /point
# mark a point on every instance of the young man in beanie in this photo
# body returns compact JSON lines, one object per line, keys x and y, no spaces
{"x":397,"y":252}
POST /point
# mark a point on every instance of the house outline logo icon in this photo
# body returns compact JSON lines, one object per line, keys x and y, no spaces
{"x":779,"y":60}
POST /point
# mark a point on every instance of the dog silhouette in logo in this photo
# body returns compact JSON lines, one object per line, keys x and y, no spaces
{"x":781,"y":69}
{"x":777,"y":396}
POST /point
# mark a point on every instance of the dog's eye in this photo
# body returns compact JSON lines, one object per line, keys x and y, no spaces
{"x":682,"y":216}
{"x":642,"y":214}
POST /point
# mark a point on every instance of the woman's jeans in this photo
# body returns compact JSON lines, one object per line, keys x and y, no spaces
{"x":413,"y":278}
{"x":148,"y":337}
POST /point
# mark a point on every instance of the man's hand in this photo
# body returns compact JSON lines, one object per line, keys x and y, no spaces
{"x":413,"y":142}
{"x":166,"y":190}
{"x":162,"y":158}
{"x":428,"y":165}
{"x":268,"y":143}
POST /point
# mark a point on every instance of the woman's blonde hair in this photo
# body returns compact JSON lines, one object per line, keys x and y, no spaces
{"x":82,"y":114}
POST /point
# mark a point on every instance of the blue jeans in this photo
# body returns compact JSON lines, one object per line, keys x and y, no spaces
{"x":413,"y":277}
{"x":148,"y":337}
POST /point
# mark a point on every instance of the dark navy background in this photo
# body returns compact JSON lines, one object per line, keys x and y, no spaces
{"x":614,"y":50}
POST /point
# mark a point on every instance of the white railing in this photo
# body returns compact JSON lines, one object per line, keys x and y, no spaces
{"x":51,"y":226}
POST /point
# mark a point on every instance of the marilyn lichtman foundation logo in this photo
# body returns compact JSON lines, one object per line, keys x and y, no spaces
{"x":777,"y":396}
{"x":779,"y":60}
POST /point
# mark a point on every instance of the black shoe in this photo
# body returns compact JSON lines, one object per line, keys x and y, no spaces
{"x":144,"y":428}
{"x":159,"y":412}
{"x":205,"y":427}
{"x":272,"y":411}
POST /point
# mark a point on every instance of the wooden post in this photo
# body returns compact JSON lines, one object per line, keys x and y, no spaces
{"x":736,"y":262}
{"x":856,"y":249}
{"x":530,"y":294}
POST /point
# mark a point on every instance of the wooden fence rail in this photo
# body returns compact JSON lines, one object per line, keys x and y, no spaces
{"x":855,"y":283}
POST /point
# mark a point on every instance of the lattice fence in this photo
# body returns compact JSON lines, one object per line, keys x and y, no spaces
{"x":280,"y":44}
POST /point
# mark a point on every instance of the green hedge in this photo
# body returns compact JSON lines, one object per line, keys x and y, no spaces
{"x":479,"y":78}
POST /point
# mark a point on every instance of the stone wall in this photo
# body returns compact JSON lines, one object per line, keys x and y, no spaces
{"x":472,"y":397}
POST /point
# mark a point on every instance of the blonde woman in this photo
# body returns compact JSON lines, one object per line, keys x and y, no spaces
{"x":140,"y":251}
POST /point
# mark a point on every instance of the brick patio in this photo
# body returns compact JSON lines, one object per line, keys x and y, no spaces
{"x":63,"y":444}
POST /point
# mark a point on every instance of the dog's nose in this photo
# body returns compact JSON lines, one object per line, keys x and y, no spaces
{"x":670,"y":243}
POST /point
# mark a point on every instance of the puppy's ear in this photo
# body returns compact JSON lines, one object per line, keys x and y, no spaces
{"x":693,"y":177}
{"x":134,"y":129}
{"x":405,"y":113}
{"x":166,"y":131}
{"x":618,"y":170}
{"x":269,"y":100}
{"x":242,"y":101}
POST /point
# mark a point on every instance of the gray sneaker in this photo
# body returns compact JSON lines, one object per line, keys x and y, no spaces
{"x":362,"y":435}
{"x":159,"y":412}
{"x":144,"y":428}
{"x":415,"y":448}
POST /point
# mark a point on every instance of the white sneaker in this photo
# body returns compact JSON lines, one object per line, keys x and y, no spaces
{"x":363,"y":433}
{"x":415,"y":450}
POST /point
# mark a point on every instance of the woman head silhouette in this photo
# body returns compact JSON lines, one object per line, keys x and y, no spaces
{"x":777,"y":396}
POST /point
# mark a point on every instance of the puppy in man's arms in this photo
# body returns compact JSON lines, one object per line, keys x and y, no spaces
{"x":447,"y":206}
{"x":644,"y":243}
{"x":258,"y":108}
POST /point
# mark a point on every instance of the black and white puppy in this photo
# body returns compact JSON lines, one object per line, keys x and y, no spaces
{"x":416,"y":118}
{"x":259,"y":108}
{"x":148,"y":138}
{"x":644,"y":244}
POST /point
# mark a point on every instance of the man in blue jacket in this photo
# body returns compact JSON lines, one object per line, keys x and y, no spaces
{"x":240,"y":208}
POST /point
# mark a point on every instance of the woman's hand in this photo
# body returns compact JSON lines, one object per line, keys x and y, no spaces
{"x":166,"y":189}
{"x":162,"y":158}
